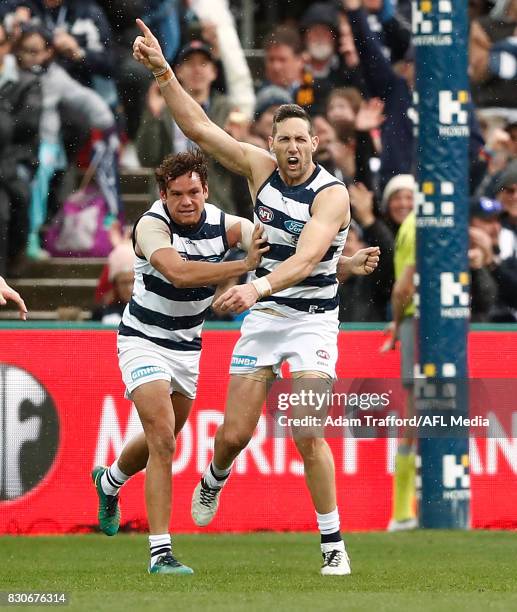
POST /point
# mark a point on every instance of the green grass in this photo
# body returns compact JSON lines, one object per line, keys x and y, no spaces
{"x":423,"y":570}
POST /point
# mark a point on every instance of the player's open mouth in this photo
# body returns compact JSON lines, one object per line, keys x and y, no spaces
{"x":292,"y":162}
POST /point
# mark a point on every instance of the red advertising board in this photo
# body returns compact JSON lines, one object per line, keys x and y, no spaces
{"x":63,"y":411}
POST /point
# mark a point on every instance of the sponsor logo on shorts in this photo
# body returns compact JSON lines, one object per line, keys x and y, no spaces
{"x":243,"y":361}
{"x":322,"y":354}
{"x":146,"y":371}
{"x":294,"y":227}
{"x":265,"y":214}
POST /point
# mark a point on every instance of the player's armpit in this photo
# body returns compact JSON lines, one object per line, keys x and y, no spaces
{"x":230,"y":153}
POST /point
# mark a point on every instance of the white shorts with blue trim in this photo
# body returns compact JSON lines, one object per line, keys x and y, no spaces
{"x":307,"y":342}
{"x":141,"y":361}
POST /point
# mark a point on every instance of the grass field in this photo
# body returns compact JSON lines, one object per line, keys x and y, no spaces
{"x":421,"y":571}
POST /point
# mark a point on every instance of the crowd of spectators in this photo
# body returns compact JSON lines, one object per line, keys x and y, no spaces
{"x":71,"y":93}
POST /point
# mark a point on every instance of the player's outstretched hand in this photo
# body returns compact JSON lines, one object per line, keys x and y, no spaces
{"x":257,"y":248}
{"x":147,"y":50}
{"x":237,"y":299}
{"x":7,"y":293}
{"x":392,"y":331}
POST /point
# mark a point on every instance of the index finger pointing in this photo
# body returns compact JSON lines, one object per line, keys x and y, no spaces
{"x":143,"y":28}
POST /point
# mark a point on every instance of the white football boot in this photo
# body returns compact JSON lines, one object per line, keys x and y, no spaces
{"x":205,"y":501}
{"x":335,"y":560}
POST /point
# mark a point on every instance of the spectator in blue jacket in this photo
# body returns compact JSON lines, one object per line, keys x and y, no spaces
{"x":394,"y":85}
{"x":391,"y":26}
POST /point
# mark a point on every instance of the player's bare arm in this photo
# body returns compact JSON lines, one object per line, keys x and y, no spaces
{"x":7,"y":293}
{"x":153,"y":242}
{"x":243,"y":158}
{"x":199,"y":273}
{"x":331,"y":212}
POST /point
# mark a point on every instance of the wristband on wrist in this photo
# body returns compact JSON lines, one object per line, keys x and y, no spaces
{"x":163,"y":78}
{"x":262,"y":286}
{"x":160,"y":71}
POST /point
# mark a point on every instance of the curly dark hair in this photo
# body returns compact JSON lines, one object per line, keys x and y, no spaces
{"x":177,"y":165}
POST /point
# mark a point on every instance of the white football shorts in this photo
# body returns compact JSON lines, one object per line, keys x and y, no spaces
{"x":141,"y":361}
{"x":307,"y":342}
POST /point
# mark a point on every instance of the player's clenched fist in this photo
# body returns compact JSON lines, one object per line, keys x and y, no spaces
{"x":147,"y":50}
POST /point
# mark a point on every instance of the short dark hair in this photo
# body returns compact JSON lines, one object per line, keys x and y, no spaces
{"x":289,"y":111}
{"x":34,"y":26}
{"x":177,"y":165}
{"x":284,"y":35}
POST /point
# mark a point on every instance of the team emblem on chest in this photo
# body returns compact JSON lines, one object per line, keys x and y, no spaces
{"x":265,"y":214}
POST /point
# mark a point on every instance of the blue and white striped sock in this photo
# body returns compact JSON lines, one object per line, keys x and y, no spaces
{"x":215,"y":477}
{"x":328,"y":525}
{"x":112,"y":479}
{"x":159,"y":545}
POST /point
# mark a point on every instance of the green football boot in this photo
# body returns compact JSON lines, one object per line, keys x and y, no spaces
{"x":109,"y":508}
{"x":168,"y":564}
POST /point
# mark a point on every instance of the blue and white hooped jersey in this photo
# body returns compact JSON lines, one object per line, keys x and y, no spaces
{"x":284,"y":211}
{"x":162,"y":313}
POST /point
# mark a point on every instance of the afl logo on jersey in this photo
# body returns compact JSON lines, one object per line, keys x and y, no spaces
{"x":265,"y":214}
{"x":323,"y":354}
{"x":294,"y":227}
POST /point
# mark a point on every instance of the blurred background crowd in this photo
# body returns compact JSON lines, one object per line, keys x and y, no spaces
{"x":77,"y":112}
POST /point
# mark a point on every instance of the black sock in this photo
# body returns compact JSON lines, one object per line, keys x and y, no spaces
{"x":327,"y":538}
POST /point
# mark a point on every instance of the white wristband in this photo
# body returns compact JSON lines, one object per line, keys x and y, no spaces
{"x":262,"y":286}
{"x":161,"y":71}
{"x":164,"y":77}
